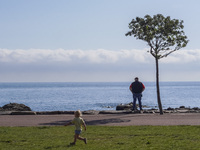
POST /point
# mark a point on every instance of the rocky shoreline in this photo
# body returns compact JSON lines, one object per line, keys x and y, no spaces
{"x":21,"y":109}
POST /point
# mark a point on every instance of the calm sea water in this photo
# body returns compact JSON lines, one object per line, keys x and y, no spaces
{"x":96,"y":96}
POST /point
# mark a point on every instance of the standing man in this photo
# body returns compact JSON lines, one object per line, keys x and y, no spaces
{"x":137,"y":88}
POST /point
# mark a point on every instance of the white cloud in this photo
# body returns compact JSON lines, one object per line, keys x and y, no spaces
{"x":100,"y":56}
{"x":183,"y":56}
{"x":60,"y":55}
{"x":94,"y":65}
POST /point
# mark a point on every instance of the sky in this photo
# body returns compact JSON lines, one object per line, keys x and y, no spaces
{"x":84,"y":41}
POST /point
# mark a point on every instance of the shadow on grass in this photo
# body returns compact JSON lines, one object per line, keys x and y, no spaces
{"x":92,"y":122}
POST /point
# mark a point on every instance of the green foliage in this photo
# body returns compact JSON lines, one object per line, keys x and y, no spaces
{"x":163,"y":35}
{"x":101,"y":137}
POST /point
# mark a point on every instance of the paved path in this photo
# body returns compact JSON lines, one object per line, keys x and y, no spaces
{"x":103,"y":119}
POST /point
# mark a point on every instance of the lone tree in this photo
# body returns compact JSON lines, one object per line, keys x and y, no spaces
{"x":163,"y":35}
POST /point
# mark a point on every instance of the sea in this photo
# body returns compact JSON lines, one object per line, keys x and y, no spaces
{"x":70,"y":96}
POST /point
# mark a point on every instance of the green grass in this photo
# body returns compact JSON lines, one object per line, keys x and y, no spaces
{"x":101,"y":137}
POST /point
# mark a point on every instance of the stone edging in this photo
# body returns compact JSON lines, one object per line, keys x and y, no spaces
{"x":94,"y":112}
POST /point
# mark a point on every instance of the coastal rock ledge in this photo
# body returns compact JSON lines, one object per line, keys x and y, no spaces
{"x":181,"y":109}
{"x":21,"y":109}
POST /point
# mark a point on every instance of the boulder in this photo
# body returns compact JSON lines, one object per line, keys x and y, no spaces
{"x":183,"y":107}
{"x":169,"y":108}
{"x":128,"y":106}
{"x":124,"y":106}
{"x":196,"y":108}
{"x":15,"y":107}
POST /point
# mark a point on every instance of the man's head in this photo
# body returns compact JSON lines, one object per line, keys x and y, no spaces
{"x":136,"y":78}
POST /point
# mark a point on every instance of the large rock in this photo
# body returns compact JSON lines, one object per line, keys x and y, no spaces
{"x":124,"y":106}
{"x":15,"y":107}
{"x":128,"y":106}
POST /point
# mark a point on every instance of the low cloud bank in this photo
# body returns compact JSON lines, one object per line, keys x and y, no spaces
{"x":95,"y":65}
{"x":83,"y":56}
{"x":100,"y":56}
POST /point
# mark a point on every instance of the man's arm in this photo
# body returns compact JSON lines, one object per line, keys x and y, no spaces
{"x":143,"y":87}
{"x":130,"y":88}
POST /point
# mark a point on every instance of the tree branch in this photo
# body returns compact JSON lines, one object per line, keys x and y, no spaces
{"x":165,"y":55}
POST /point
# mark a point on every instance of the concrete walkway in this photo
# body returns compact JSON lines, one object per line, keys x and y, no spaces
{"x":103,"y":119}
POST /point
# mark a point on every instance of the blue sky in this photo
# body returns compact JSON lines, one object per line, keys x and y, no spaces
{"x":84,"y":40}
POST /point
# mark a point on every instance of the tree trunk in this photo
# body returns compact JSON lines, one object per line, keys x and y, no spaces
{"x":158,"y":88}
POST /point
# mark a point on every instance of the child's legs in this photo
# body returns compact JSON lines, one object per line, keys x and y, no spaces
{"x":77,"y":132}
{"x":80,"y":138}
{"x":77,"y":135}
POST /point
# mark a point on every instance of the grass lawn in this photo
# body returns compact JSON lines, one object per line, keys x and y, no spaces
{"x":101,"y":137}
